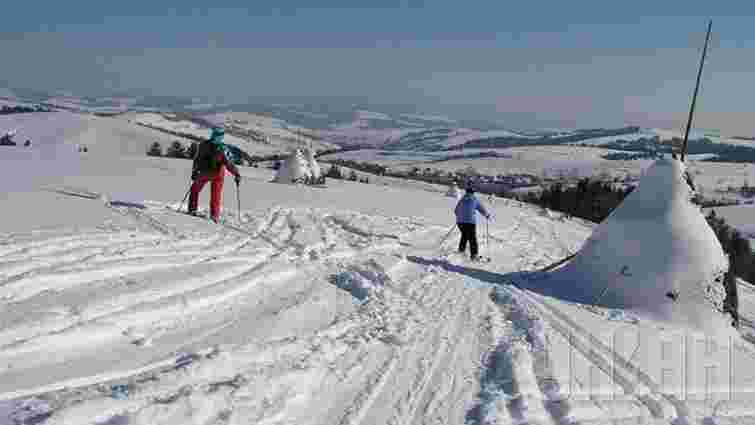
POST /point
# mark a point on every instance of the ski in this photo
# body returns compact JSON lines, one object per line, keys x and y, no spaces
{"x":219,"y":223}
{"x":481,"y":259}
{"x":557,"y":263}
{"x":462,"y":257}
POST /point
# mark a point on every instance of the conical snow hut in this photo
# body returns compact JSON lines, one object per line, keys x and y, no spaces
{"x":294,"y":169}
{"x":314,"y":167}
{"x":655,"y":254}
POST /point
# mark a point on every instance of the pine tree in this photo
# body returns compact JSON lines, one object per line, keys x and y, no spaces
{"x":334,"y":172}
{"x":155,"y":150}
{"x":176,"y":150}
{"x":191,"y":151}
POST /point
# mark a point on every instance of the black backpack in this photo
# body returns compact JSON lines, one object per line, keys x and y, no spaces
{"x":206,"y":156}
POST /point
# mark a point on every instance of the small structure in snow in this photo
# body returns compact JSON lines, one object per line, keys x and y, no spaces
{"x":314,"y":167}
{"x":654,"y":244}
{"x":7,"y":139}
{"x":294,"y":169}
{"x":299,"y":167}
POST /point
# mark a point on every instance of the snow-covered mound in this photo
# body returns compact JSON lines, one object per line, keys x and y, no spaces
{"x":656,"y":246}
{"x":294,"y":169}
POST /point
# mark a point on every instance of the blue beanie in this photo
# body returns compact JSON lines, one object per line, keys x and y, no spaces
{"x":217,"y":134}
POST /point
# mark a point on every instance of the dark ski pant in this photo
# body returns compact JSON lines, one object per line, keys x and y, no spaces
{"x":468,"y":233}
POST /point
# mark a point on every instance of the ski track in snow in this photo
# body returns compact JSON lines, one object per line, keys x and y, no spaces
{"x":94,"y":265}
{"x":270,"y":338}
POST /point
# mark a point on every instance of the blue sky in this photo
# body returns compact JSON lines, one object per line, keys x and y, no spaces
{"x":533,"y":63}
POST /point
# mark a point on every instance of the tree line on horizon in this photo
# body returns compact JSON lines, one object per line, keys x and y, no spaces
{"x":21,"y":109}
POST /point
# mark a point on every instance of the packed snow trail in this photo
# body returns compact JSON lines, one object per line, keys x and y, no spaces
{"x":144,"y":314}
{"x":307,"y":316}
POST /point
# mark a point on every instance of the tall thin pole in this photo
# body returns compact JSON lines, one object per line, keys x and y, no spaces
{"x":694,"y":95}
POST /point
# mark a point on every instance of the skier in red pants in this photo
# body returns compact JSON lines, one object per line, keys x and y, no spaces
{"x":210,"y":164}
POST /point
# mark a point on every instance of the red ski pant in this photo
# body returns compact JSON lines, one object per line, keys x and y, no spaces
{"x":216,"y":193}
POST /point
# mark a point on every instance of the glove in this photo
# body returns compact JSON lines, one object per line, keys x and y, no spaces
{"x":237,"y":178}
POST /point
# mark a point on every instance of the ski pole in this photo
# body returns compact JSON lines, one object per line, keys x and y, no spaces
{"x":453,"y":226}
{"x":238,"y":202}
{"x":485,"y":238}
{"x":487,"y":235}
{"x":180,"y":206}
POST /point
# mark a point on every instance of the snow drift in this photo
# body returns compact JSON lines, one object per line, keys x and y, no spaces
{"x":655,"y":254}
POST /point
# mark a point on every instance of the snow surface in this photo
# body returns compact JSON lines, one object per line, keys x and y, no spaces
{"x":161,"y":121}
{"x":359,"y":132}
{"x":344,"y":305}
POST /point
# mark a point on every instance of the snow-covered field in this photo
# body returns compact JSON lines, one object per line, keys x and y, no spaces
{"x":548,"y":161}
{"x":162,"y":121}
{"x":722,"y":175}
{"x":272,"y":136}
{"x":337,"y":305}
{"x":552,"y":161}
{"x":103,"y":136}
{"x":360,"y":133}
{"x":279,"y":134}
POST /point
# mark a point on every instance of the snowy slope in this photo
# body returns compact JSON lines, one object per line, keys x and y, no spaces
{"x":276,"y":134}
{"x":108,"y":137}
{"x":343,"y":305}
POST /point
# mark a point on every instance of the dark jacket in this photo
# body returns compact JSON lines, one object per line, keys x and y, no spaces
{"x":211,"y":160}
